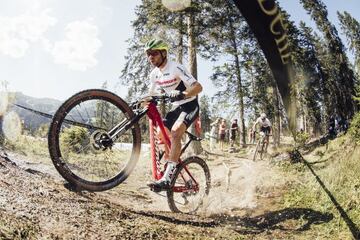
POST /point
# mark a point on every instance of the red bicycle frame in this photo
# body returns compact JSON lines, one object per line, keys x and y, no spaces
{"x":155,"y":121}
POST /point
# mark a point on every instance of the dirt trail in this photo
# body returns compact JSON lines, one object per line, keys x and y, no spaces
{"x":35,"y":203}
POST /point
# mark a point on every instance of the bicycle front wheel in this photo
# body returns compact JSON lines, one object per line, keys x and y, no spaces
{"x":257,"y":149}
{"x":85,"y":143}
{"x":262,"y":152}
{"x":190,"y":185}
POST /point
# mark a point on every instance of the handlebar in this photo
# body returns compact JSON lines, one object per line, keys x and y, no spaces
{"x":147,"y":98}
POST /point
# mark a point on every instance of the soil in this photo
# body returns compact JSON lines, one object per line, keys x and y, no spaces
{"x":36,"y":203}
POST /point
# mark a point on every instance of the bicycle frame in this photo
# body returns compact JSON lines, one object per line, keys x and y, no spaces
{"x":155,"y":122}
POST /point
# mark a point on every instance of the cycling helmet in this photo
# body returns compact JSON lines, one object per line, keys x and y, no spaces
{"x":263,"y":116}
{"x":156,"y":44}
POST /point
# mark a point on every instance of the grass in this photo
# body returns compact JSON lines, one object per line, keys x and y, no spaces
{"x":337,"y":167}
{"x":95,"y":166}
{"x":35,"y":148}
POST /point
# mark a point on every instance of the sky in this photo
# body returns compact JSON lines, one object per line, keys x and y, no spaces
{"x":55,"y":48}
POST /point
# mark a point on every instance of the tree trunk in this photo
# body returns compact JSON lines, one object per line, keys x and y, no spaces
{"x":241,"y":102}
{"x":240,"y":89}
{"x":277,"y":122}
{"x":180,"y":42}
{"x":196,"y":145}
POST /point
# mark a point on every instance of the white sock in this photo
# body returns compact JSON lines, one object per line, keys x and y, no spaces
{"x":170,"y":170}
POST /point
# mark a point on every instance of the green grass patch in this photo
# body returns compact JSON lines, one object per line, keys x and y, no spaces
{"x":337,"y":166}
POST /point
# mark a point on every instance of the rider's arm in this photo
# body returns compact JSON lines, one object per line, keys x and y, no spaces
{"x":254,"y":126}
{"x":194,"y":90}
{"x":270,"y":126}
{"x":152,"y":89}
{"x":153,"y":86}
{"x":193,"y":87}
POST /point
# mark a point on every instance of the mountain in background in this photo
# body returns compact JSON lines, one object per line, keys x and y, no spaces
{"x":31,"y":120}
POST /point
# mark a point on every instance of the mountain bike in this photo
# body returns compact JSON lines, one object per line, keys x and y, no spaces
{"x":260,"y":146}
{"x":95,"y":140}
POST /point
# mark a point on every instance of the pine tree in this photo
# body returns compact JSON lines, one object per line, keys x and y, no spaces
{"x":314,"y":83}
{"x":351,"y":29}
{"x":344,"y":76}
{"x":230,"y":33}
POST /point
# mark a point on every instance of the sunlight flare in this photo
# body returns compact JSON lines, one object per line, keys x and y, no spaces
{"x":12,"y":126}
{"x":3,"y":102}
{"x":176,"y":5}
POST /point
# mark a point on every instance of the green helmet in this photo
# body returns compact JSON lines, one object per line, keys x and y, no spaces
{"x":156,"y":44}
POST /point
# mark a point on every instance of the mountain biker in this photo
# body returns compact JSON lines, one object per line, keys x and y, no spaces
{"x":183,"y":88}
{"x":265,"y":127}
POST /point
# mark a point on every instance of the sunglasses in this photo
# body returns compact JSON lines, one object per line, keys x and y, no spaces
{"x":152,"y":53}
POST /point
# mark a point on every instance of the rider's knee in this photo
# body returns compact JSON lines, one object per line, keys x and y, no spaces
{"x":176,"y":134}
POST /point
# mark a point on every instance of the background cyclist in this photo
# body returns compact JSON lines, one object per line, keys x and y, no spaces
{"x":183,"y":88}
{"x":265,"y":127}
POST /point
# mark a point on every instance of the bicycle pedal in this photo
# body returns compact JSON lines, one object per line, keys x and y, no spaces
{"x":155,"y":189}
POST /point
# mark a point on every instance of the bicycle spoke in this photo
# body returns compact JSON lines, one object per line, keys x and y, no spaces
{"x":191,"y":186}
{"x":80,"y":140}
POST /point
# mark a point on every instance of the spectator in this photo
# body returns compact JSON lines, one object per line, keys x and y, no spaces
{"x":233,"y":130}
{"x":213,"y":134}
{"x":252,"y":135}
{"x":222,"y":132}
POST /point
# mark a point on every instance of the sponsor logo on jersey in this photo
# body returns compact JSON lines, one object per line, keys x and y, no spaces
{"x":166,"y":82}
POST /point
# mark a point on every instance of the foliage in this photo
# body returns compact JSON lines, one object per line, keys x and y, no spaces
{"x":355,"y":128}
{"x":75,"y":138}
{"x":342,"y":77}
{"x":351,"y":28}
{"x":301,"y":138}
{"x":42,"y":131}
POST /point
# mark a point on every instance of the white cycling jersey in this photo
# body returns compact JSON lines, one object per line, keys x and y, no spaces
{"x":173,"y":76}
{"x":263,"y":123}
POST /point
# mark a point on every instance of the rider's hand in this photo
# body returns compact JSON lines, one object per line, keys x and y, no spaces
{"x":176,"y":95}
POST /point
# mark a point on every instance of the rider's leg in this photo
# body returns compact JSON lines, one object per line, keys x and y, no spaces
{"x":266,"y":142}
{"x":177,"y":132}
{"x":162,"y":138}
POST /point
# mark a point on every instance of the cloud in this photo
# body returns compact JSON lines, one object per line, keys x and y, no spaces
{"x":79,"y":47}
{"x":16,"y":33}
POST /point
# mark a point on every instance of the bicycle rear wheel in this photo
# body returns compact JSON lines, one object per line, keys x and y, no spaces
{"x":82,"y":145}
{"x":191,"y":183}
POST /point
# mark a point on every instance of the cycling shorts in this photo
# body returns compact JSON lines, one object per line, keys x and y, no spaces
{"x":265,"y":130}
{"x":185,"y":113}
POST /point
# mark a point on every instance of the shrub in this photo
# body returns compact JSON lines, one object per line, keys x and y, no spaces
{"x":75,"y":139}
{"x":355,"y":128}
{"x":42,"y":131}
{"x":302,"y":138}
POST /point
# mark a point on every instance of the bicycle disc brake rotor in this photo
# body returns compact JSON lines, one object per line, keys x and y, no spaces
{"x":100,"y":140}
